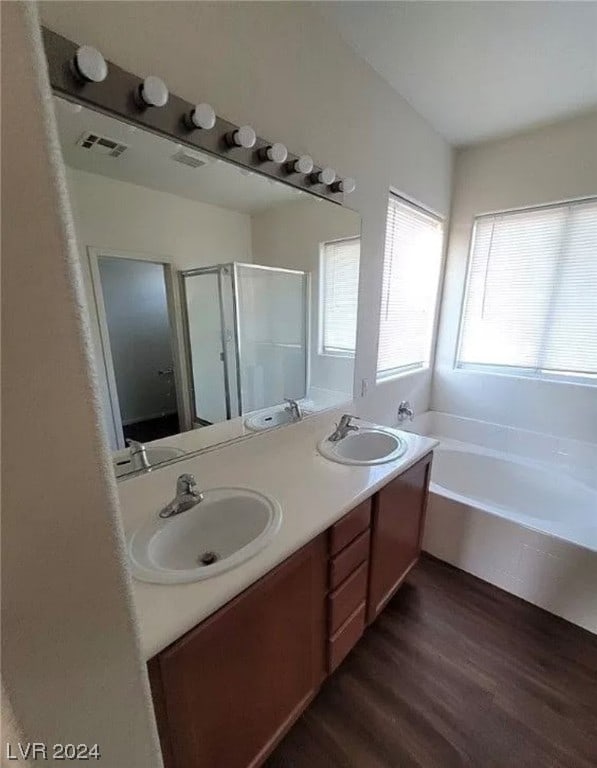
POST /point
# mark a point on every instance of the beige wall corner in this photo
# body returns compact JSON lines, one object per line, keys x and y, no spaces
{"x":10,"y":733}
{"x":546,"y":165}
{"x":70,"y":658}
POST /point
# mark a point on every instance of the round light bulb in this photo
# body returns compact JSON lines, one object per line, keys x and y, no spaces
{"x":277,"y":153}
{"x":244,"y":136}
{"x":203,"y":116}
{"x":154,"y":92}
{"x":90,"y":65}
{"x":326,"y":176}
{"x":304,"y":164}
{"x":346,"y":185}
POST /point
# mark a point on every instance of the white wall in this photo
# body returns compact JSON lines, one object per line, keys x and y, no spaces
{"x":282,"y":68}
{"x":541,"y":166}
{"x":132,"y":220}
{"x":290,"y":236}
{"x":122,"y":216}
{"x":71,"y":666}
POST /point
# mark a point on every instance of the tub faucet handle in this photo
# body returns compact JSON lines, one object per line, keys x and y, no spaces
{"x":405,"y":411}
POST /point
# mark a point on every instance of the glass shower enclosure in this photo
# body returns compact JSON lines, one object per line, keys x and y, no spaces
{"x":246,"y":337}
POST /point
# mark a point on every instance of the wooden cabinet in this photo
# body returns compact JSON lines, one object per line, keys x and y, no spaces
{"x":397,"y":530}
{"x":227,"y":691}
{"x":349,"y":544}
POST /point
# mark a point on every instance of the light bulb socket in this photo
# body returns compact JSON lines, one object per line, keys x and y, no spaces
{"x":346,"y":185}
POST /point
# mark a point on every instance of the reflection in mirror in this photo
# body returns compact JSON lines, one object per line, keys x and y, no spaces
{"x":216,"y":294}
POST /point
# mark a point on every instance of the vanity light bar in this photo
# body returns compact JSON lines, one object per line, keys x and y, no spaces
{"x":81,"y":74}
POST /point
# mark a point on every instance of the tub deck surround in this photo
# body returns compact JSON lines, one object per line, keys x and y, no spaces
{"x":575,"y":457}
{"x":314,"y":493}
{"x":518,"y":519}
{"x":540,"y":496}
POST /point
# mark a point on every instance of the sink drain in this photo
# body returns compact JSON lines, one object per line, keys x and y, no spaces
{"x":208,"y":558}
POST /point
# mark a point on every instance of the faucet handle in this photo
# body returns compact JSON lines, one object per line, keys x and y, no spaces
{"x":185,"y":485}
{"x":405,"y":411}
{"x":347,"y":418}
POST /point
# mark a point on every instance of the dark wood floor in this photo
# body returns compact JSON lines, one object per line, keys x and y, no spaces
{"x":455,"y":672}
{"x":152,"y":429}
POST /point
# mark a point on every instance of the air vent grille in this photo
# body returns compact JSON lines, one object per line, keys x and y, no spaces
{"x":187,"y":158}
{"x":101,"y":144}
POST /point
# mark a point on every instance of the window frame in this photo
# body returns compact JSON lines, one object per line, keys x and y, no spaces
{"x":322,"y":350}
{"x":392,"y":374}
{"x":513,"y":371}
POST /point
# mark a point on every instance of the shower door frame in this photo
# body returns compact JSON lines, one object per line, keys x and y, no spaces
{"x":307,"y":326}
{"x":219,"y":270}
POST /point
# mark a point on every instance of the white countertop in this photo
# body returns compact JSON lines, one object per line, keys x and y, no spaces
{"x":313,"y":492}
{"x":200,"y":438}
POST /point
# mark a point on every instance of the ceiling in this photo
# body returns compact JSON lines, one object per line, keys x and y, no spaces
{"x":479,"y":70}
{"x":147,"y":161}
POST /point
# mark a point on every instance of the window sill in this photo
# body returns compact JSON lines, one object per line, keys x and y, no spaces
{"x":337,"y":355}
{"x":401,"y":374}
{"x":477,"y":370}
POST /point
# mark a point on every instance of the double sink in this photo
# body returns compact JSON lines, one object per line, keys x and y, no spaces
{"x":227,"y":526}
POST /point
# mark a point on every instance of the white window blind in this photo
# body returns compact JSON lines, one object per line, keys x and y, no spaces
{"x":339,"y":289}
{"x":411,"y":273}
{"x":531,"y":297}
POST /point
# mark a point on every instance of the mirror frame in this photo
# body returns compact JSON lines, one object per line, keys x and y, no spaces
{"x":117,"y":96}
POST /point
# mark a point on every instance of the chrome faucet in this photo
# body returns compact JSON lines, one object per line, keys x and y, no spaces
{"x":343,"y":428}
{"x":405,"y":411}
{"x":293,"y":408}
{"x":138,"y":450}
{"x":187,"y":496}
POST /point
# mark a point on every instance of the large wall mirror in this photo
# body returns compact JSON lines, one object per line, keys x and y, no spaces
{"x":216,"y":294}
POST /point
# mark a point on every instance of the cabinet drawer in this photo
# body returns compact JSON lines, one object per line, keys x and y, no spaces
{"x":346,"y":638}
{"x":349,"y":527}
{"x":343,"y":601}
{"x":344,"y":563}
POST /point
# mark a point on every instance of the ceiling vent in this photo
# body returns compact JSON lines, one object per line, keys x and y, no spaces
{"x":187,"y":158}
{"x":101,"y":145}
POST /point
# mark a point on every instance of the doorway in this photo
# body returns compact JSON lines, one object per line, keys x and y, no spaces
{"x":138,"y":345}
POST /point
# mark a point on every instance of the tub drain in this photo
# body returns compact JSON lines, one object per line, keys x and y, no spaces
{"x":208,"y":558}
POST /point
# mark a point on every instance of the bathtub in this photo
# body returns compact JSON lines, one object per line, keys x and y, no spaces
{"x":535,"y":495}
{"x":524,"y":525}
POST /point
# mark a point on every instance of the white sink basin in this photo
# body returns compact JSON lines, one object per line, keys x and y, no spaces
{"x":123,"y":464}
{"x":269,"y":419}
{"x":228,"y":527}
{"x":369,"y":445}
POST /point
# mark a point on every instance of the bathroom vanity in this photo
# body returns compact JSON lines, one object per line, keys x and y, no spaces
{"x":228,"y":690}
{"x":208,"y":271}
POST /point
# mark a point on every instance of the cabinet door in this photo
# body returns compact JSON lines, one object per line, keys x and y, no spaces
{"x":227,"y":691}
{"x":397,"y":530}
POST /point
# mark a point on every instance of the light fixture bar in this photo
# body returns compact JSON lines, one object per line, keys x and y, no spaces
{"x":147,"y":103}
